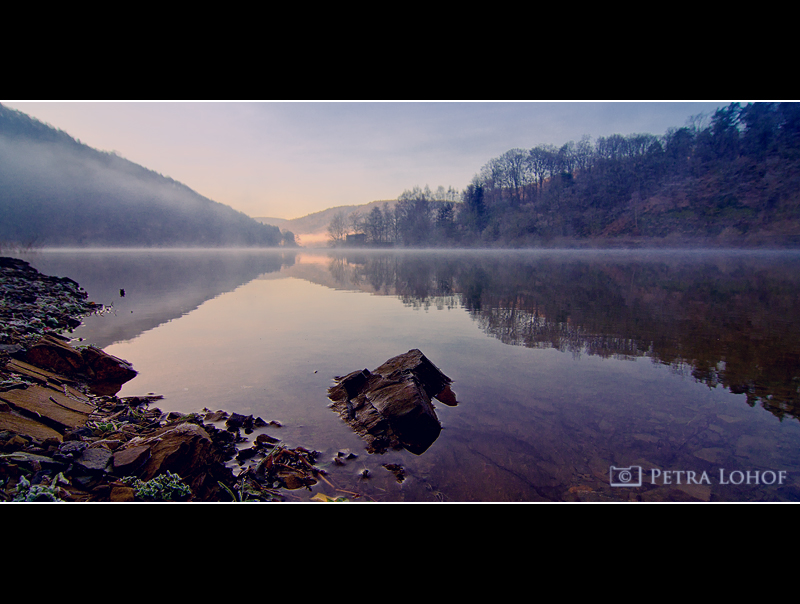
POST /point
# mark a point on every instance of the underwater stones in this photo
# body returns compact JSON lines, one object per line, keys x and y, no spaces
{"x":391,"y":407}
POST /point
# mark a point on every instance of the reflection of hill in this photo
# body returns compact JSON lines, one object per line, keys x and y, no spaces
{"x":159,"y":285}
{"x":729,"y":319}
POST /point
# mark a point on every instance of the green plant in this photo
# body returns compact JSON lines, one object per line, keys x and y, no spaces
{"x":105,"y":426}
{"x":238,"y":492}
{"x":326,"y":498}
{"x":244,"y":491}
{"x":165,"y":487}
{"x":25,"y":491}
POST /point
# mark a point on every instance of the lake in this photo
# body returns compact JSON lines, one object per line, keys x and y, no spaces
{"x":581,"y":375}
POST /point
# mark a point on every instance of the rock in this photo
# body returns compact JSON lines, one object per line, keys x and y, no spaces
{"x":391,"y":406}
{"x":265,"y":440}
{"x":32,"y":373}
{"x":55,"y":355}
{"x":184,"y":449}
{"x":293,"y":479}
{"x":215,"y":416}
{"x":122,"y":494}
{"x":94,"y":461}
{"x":70,"y":449}
{"x":78,"y":434}
{"x":245,"y":454}
{"x":396,"y":469}
{"x":180,"y":449}
{"x":127,"y":462}
{"x":49,"y":407}
{"x":11,"y":348}
{"x":237,"y":420}
{"x":27,"y":427}
{"x":106,"y":372}
{"x":34,"y":461}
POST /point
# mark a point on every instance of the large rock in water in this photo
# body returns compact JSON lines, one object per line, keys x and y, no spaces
{"x":391,"y":407}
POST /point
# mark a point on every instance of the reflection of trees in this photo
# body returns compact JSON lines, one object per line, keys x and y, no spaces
{"x":728,"y":319}
{"x":521,"y":327}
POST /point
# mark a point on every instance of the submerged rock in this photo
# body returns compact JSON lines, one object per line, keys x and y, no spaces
{"x":391,"y":407}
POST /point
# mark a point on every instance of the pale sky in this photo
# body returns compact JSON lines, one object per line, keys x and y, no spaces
{"x":290,"y":159}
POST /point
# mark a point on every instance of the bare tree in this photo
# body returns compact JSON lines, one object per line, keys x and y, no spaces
{"x":356,"y":222}
{"x":543,"y":160}
{"x":337,"y":229}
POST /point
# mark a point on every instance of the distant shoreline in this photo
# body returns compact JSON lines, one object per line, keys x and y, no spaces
{"x":573,"y":245}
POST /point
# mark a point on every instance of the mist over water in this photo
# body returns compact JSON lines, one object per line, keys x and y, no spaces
{"x":565,"y":363}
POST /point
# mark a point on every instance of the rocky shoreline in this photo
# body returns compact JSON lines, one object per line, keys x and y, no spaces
{"x":66,"y":436}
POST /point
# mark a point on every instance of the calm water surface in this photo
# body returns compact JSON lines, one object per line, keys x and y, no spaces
{"x":569,"y":367}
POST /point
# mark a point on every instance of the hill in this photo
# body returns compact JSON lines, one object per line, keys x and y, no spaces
{"x":731,"y":181}
{"x":56,"y":191}
{"x":312,"y":230}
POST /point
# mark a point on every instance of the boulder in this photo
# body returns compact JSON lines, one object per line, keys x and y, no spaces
{"x":105,"y":373}
{"x":56,"y":355}
{"x":128,"y":461}
{"x":185,"y":449}
{"x":390,"y":407}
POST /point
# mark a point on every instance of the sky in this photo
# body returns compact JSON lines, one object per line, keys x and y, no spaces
{"x":290,"y":159}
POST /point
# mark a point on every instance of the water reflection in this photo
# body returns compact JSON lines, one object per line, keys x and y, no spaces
{"x":725,"y":318}
{"x":147,"y":288}
{"x":593,"y":360}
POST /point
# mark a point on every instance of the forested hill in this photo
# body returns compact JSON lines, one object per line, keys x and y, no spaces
{"x":730,"y":179}
{"x":55,"y":191}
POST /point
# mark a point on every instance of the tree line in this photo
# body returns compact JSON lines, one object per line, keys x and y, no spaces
{"x":731,"y":176}
{"x":418,"y":217}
